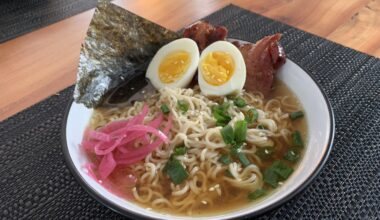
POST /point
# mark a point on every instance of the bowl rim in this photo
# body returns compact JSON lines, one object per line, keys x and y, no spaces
{"x":119,"y":209}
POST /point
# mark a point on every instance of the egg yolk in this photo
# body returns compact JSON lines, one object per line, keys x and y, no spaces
{"x":217,"y":67}
{"x":173,"y":66}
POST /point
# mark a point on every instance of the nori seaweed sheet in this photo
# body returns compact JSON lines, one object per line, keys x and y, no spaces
{"x":118,"y":45}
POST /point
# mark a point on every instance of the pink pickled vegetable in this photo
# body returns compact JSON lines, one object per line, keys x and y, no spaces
{"x":108,"y":146}
{"x":90,"y":170}
{"x":126,"y":142}
{"x":142,"y":152}
{"x":106,"y":166}
{"x":145,"y":139}
{"x":157,"y":121}
{"x":116,"y":125}
{"x":103,"y":148}
{"x":100,"y":136}
{"x":124,"y":132}
{"x":88,"y":144}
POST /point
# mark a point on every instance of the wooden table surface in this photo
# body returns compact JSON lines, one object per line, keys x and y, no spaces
{"x":41,"y":63}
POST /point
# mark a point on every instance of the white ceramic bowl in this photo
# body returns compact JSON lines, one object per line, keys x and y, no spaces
{"x":321,"y":128}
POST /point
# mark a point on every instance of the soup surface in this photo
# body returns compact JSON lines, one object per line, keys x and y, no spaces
{"x":222,"y":154}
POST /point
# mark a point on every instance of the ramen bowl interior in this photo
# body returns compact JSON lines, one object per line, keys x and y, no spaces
{"x":318,"y":143}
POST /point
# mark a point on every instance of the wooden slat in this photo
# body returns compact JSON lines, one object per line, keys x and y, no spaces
{"x":362,"y":30}
{"x":318,"y":17}
{"x":41,"y":63}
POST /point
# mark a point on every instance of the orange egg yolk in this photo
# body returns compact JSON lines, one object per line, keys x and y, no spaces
{"x":173,"y":66}
{"x":217,"y":68}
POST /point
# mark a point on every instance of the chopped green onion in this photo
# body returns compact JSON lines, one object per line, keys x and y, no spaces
{"x":220,"y":114}
{"x":240,"y":131}
{"x":282,"y":169}
{"x":295,"y":115}
{"x":257,"y":194}
{"x":235,"y":150}
{"x":165,"y":109}
{"x":243,"y":159}
{"x":292,"y":155}
{"x":240,"y":102}
{"x":180,"y":150}
{"x":222,"y":118}
{"x":270,"y":177}
{"x":175,"y":171}
{"x":260,"y":126}
{"x":297,"y":139}
{"x":224,"y":107}
{"x":183,"y":105}
{"x":252,"y":115}
{"x":265,"y":152}
{"x":276,"y":172}
{"x":225,"y":159}
{"x":227,"y":133}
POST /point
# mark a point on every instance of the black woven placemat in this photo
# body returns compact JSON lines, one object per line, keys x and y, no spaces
{"x":19,"y":17}
{"x":35,"y":182}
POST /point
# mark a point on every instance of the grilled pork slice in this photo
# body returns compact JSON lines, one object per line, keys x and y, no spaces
{"x":205,"y":33}
{"x":262,"y":61}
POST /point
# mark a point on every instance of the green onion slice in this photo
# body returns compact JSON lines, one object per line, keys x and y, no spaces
{"x":227,"y":133}
{"x":181,"y":150}
{"x":270,"y":177}
{"x":292,"y":155}
{"x":240,"y":131}
{"x":243,"y":159}
{"x":257,"y":194}
{"x":175,"y":171}
{"x":278,"y":171}
{"x":282,"y":169}
{"x":235,"y":150}
{"x":252,"y":115}
{"x":165,"y":109}
{"x":297,"y":139}
{"x":225,"y":159}
{"x":220,"y":114}
{"x":183,"y":105}
{"x":295,"y":115}
{"x":240,"y":102}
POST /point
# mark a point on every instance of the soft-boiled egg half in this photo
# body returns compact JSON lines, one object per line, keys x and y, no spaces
{"x":221,"y":70}
{"x":174,"y":64}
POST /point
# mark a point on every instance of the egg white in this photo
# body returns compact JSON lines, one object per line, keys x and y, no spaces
{"x":236,"y":83}
{"x":183,"y":44}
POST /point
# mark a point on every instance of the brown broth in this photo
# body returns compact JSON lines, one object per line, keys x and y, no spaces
{"x":280,"y":90}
